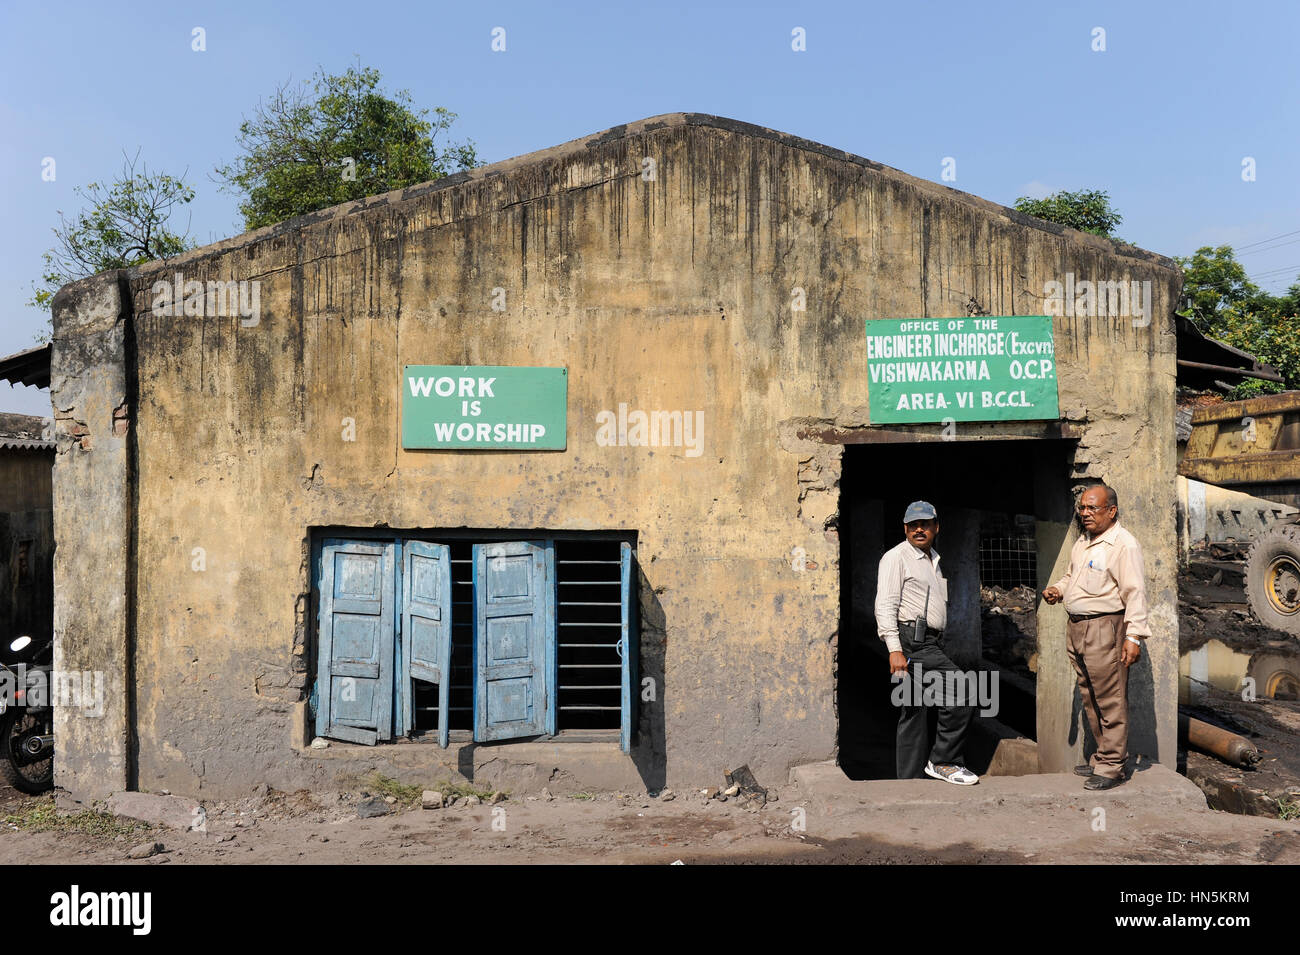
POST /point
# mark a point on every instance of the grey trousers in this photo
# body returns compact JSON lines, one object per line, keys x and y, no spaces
{"x":914,"y":748}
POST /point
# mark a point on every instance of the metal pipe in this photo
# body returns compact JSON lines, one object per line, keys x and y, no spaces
{"x":36,"y":745}
{"x":1244,"y":372}
{"x":1219,"y":742}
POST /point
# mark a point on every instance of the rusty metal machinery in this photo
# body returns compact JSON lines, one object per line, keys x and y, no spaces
{"x":1253,"y":446}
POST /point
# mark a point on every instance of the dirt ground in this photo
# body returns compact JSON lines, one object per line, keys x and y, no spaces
{"x":325,"y":828}
{"x":1273,"y":727}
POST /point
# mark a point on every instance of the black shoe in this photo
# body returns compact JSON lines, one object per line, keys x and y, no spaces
{"x":1084,"y":770}
{"x":1102,"y":782}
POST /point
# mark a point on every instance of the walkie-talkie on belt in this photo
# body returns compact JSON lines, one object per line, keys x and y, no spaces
{"x":919,"y":628}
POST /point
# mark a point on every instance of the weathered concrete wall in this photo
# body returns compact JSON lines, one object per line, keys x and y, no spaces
{"x":673,"y":292}
{"x":93,"y":503}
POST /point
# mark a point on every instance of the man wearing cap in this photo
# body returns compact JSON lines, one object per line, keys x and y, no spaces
{"x":911,"y":611}
{"x":1105,"y":597}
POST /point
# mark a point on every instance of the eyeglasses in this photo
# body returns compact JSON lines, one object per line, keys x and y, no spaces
{"x":1092,"y":508}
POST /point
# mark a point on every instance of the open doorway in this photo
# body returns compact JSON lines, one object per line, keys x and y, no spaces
{"x":990,"y":495}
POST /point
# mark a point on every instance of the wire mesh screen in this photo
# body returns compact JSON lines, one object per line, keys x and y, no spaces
{"x":1008,"y":562}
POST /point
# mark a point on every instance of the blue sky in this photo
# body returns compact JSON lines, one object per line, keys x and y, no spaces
{"x":1014,"y":92}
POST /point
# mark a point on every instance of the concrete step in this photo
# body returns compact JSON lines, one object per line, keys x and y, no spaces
{"x":824,"y":788}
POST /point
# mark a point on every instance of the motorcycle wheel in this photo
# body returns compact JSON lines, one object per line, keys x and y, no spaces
{"x":28,"y":775}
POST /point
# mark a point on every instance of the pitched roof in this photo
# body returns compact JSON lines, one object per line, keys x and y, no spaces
{"x":575,"y":147}
{"x":29,"y":367}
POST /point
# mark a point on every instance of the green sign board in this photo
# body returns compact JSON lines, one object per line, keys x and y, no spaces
{"x":485,"y":406}
{"x":984,"y":368}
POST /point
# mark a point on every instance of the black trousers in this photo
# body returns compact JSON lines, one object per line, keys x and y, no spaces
{"x":913,"y":737}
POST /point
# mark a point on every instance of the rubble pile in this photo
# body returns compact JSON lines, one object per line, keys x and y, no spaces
{"x":1008,"y":619}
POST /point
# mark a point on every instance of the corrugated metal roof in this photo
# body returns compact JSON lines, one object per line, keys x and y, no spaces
{"x":30,"y":367}
{"x":1205,"y":363}
{"x":1183,"y":423}
{"x":25,"y":432}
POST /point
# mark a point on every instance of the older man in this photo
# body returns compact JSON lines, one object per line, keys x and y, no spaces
{"x":1105,"y":597}
{"x":911,"y":612}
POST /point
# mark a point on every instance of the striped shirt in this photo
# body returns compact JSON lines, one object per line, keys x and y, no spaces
{"x":905,"y":575}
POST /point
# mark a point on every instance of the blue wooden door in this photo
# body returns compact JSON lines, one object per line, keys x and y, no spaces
{"x":426,"y":625}
{"x":628,"y":648}
{"x":355,"y":661}
{"x":514,"y":629}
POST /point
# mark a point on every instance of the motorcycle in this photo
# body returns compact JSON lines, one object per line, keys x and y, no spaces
{"x":27,"y":714}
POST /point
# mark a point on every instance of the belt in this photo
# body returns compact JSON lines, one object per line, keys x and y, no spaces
{"x":911,"y":628}
{"x":1080,"y":617}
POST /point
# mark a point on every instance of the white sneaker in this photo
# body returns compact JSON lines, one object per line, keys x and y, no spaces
{"x":959,"y":775}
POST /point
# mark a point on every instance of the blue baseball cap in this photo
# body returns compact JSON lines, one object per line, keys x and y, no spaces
{"x":919,"y":511}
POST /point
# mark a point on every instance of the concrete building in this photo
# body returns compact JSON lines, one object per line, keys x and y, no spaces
{"x":269,"y":529}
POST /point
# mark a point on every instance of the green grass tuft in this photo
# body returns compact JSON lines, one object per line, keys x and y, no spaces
{"x":1288,"y":809}
{"x":40,"y":815}
{"x":407,"y":796}
{"x":450,"y":789}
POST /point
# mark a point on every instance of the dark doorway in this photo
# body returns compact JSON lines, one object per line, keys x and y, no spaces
{"x":977,"y":486}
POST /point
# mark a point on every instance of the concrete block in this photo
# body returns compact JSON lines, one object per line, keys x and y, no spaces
{"x":176,"y":812}
{"x":513,"y":767}
{"x":300,"y":733}
{"x":994,"y":749}
{"x":825,"y":788}
{"x":1016,"y":756}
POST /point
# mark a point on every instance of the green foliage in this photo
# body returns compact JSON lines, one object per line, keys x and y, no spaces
{"x":341,"y":140}
{"x":125,"y":222}
{"x":408,"y":797}
{"x":40,"y":815}
{"x":1223,"y":303}
{"x":1288,"y":809}
{"x":1214,"y":284}
{"x":1270,"y":336}
{"x":464,"y":790}
{"x":1087,"y":210}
